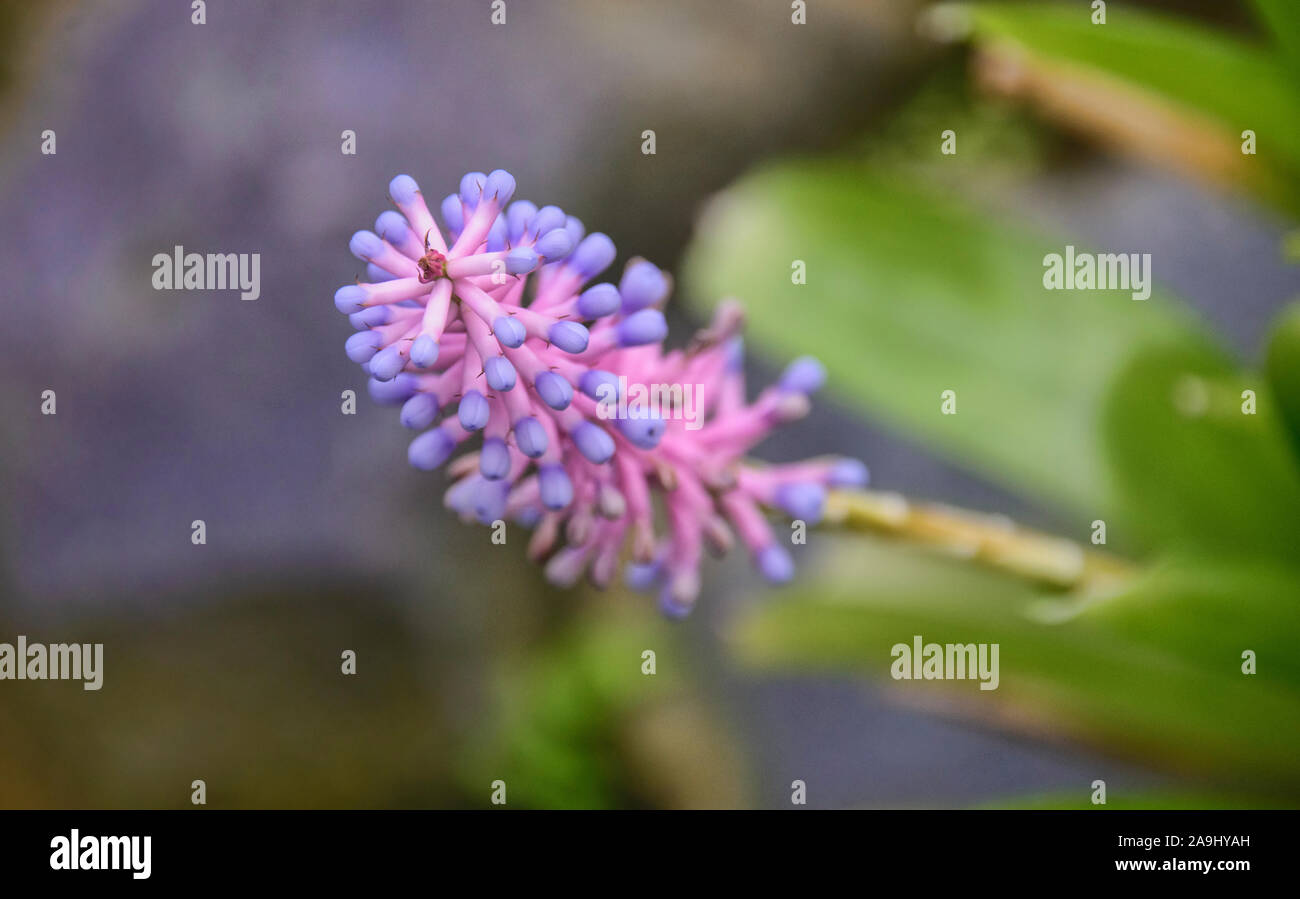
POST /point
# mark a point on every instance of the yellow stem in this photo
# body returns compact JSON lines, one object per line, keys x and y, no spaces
{"x":992,"y":540}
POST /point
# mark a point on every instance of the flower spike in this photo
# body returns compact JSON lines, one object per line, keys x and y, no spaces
{"x":558,"y":386}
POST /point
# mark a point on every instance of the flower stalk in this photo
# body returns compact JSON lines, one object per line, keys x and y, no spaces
{"x":991,"y":540}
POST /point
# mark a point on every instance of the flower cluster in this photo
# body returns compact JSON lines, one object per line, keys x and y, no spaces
{"x":495,"y":319}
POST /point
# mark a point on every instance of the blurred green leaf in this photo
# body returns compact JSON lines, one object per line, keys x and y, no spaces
{"x":1207,"y":612}
{"x":557,"y":708}
{"x":1153,"y":674}
{"x":568,"y":724}
{"x":1194,"y":470}
{"x":1282,"y":18}
{"x":1000,"y":144}
{"x":908,"y":295}
{"x":1237,"y":83}
{"x":1282,"y":365}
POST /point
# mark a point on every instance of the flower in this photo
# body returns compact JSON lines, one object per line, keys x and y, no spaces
{"x":495,"y":317}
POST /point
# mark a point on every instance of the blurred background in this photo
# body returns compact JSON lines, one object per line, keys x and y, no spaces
{"x":775,"y":141}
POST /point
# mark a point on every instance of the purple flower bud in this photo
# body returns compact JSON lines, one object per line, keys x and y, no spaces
{"x":518,"y":216}
{"x":640,"y":328}
{"x":530,"y":437}
{"x":509,"y":331}
{"x":803,"y":500}
{"x":641,"y":576}
{"x":555,"y":487}
{"x":498,"y":235}
{"x":458,"y":495}
{"x":494,"y":459}
{"x":554,"y":245}
{"x":593,"y":255}
{"x":471,"y":188}
{"x":430,"y":449}
{"x":643,"y":285}
{"x":488,"y":501}
{"x":500,"y":373}
{"x":643,"y":433}
{"x":528,"y":517}
{"x":453,"y":214}
{"x":403,"y":190}
{"x":391,"y":225}
{"x":601,"y":386}
{"x":362,"y":346}
{"x":670,"y":606}
{"x":593,"y":442}
{"x":848,"y":473}
{"x":554,"y":390}
{"x":568,"y":336}
{"x":371,"y":318}
{"x":521,"y":261}
{"x":599,"y":301}
{"x":394,"y":392}
{"x":775,"y":563}
{"x":547,"y":219}
{"x":349,"y":299}
{"x":803,"y":375}
{"x":575,"y":229}
{"x":473,"y":411}
{"x":424,"y":351}
{"x":500,"y":184}
{"x":387,"y":363}
{"x":420,"y":411}
{"x":365,"y":245}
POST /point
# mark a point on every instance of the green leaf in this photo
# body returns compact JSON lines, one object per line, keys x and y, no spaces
{"x":557,"y":708}
{"x":1235,"y":83}
{"x":1153,"y":673}
{"x":1282,"y":18}
{"x":909,"y":295}
{"x":575,"y":723}
{"x":1194,"y":469}
{"x":1282,"y":365}
{"x":1208,"y":612}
